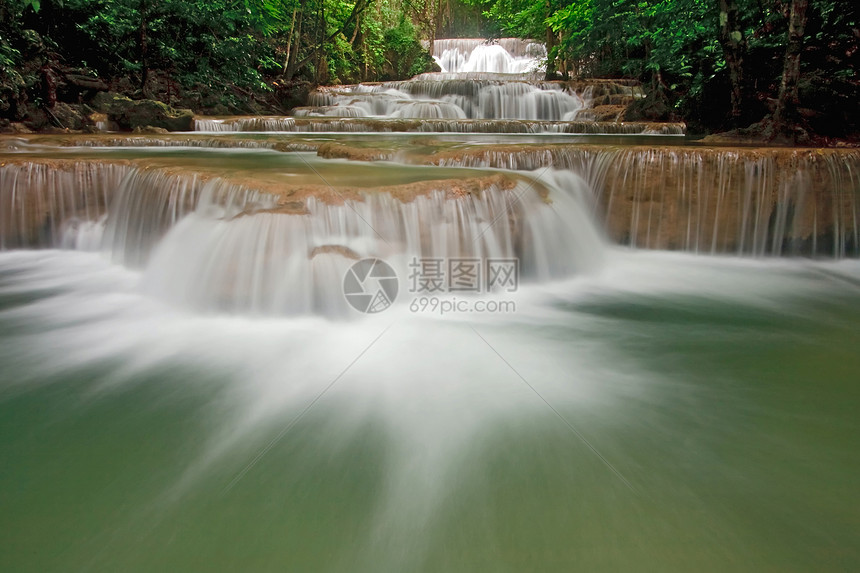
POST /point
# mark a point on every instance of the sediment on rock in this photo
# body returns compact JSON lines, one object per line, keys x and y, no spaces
{"x":41,"y":198}
{"x":387,"y":125}
{"x":758,"y":201}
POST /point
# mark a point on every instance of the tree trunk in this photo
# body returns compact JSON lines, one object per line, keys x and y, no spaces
{"x":355,"y":31}
{"x":550,"y":46}
{"x":290,"y":41}
{"x":142,"y":46}
{"x":732,"y":41}
{"x":785,"y":116}
{"x":357,"y":10}
{"x":292,"y":66}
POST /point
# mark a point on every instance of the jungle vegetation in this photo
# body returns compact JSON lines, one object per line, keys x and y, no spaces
{"x":788,"y":65}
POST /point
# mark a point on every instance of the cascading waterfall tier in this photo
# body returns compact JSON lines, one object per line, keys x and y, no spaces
{"x":245,"y":124}
{"x":384,"y":125}
{"x":116,"y":206}
{"x":765,"y":201}
{"x":43,"y":204}
{"x":480,"y":80}
{"x":486,"y":87}
{"x":479,"y":96}
{"x":427,"y":97}
{"x":442,"y":98}
{"x":213,"y":244}
{"x":503,"y":56}
{"x":234,"y":140}
{"x":267,"y":263}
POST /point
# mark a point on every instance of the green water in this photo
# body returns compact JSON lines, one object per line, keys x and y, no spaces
{"x":720,"y":395}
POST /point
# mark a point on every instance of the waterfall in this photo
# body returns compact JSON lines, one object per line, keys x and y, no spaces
{"x":484,"y":87}
{"x":116,"y":206}
{"x":710,"y":200}
{"x":148,"y":203}
{"x":268,"y":263}
{"x":496,"y":82}
{"x":747,"y":202}
{"x":245,"y":124}
{"x":504,"y":56}
{"x":441,"y":102}
{"x":196,"y":141}
{"x":207,"y":243}
{"x":309,"y":124}
{"x":455,"y":98}
{"x":44,"y":204}
{"x":479,"y":80}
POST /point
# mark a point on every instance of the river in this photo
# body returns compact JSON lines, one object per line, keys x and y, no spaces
{"x":668,"y":380}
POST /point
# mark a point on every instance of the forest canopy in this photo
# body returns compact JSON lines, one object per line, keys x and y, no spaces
{"x":716,"y":64}
{"x":230,"y":53}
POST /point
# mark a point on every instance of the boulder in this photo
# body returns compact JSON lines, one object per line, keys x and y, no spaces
{"x":130,"y":114}
{"x":651,"y":108}
{"x":149,"y":129}
{"x":607,"y":112}
{"x":69,"y":116}
{"x":36,"y":119}
{"x":17,"y":127}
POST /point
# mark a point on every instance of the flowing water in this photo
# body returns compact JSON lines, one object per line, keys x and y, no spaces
{"x":185,"y":387}
{"x":503,"y":56}
{"x":484,"y":87}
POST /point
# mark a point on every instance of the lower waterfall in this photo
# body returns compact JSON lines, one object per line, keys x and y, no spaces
{"x":708,"y":200}
{"x":207,"y":243}
{"x":185,"y":379}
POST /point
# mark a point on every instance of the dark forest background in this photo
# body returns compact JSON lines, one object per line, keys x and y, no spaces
{"x":786,"y":67}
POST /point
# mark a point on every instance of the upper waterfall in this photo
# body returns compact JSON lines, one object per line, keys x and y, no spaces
{"x":479,"y":80}
{"x":484,"y":86}
{"x":503,"y":56}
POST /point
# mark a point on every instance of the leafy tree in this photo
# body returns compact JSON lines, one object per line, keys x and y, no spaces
{"x":716,"y":62}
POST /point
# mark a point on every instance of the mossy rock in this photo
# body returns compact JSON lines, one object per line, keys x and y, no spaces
{"x":70,"y":116}
{"x":130,"y":114}
{"x":651,"y":108}
{"x":150,"y":129}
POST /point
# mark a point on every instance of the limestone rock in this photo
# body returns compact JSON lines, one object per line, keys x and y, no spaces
{"x":13,"y":127}
{"x":651,"y":108}
{"x":130,"y":114}
{"x":69,"y":116}
{"x":149,"y":129}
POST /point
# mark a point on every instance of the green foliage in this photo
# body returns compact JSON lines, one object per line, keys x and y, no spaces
{"x":220,"y":51}
{"x":403,"y":52}
{"x":213,"y":43}
{"x":673,"y":46}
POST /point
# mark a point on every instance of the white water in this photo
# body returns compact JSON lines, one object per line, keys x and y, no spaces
{"x":445,"y":98}
{"x":442,"y":397}
{"x":713,"y":200}
{"x":182,"y":394}
{"x":288,"y":264}
{"x":371,"y":125}
{"x":212,"y":245}
{"x":504,"y":56}
{"x":479,"y":80}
